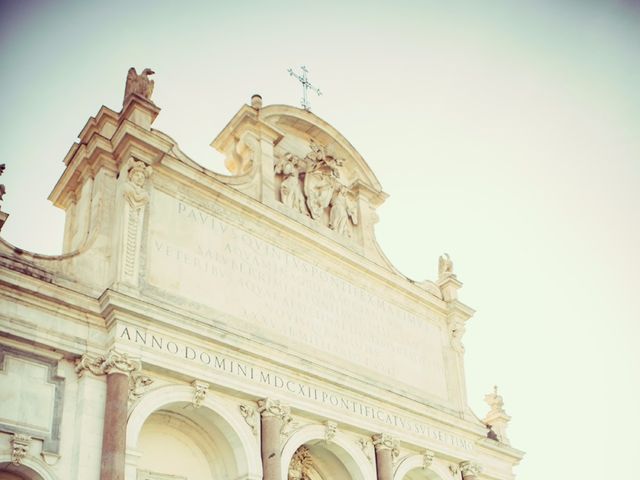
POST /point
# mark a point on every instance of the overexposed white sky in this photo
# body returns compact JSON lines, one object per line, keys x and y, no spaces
{"x":507,"y":134}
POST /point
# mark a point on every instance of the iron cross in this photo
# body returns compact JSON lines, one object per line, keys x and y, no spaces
{"x":306,"y":85}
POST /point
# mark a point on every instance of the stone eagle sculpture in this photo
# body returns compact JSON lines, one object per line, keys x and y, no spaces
{"x":445,"y":266}
{"x":139,"y":84}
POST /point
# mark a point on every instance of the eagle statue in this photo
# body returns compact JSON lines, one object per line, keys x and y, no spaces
{"x":139,"y":84}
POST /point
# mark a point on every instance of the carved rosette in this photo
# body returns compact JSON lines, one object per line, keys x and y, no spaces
{"x":427,"y":458}
{"x":330,"y":431}
{"x":20,"y":444}
{"x":384,"y":441}
{"x":470,"y":469}
{"x":199,"y":393}
{"x":250,"y":416}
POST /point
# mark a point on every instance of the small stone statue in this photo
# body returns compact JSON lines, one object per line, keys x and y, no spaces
{"x":301,"y":464}
{"x":445,"y":266}
{"x":290,"y":191}
{"x":139,"y":84}
{"x":497,"y":419}
{"x":341,"y":212}
{"x":495,"y":401}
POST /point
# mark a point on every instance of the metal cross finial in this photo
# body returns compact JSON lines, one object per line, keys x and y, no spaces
{"x":306,"y":85}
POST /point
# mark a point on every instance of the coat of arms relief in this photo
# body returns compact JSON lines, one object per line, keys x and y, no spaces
{"x":312,"y":185}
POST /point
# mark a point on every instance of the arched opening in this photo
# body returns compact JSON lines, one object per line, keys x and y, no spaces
{"x":419,"y":467}
{"x":309,"y":455}
{"x":10,"y":476}
{"x":315,"y":460}
{"x":421,"y":474}
{"x":9,"y":471}
{"x":180,"y":442}
{"x":170,"y":438}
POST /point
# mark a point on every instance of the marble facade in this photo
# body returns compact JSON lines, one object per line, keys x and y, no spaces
{"x":240,"y":326}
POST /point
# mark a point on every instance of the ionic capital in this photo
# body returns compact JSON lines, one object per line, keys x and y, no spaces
{"x":470,"y":469}
{"x":113,"y":362}
{"x":384,"y":441}
{"x":268,"y":407}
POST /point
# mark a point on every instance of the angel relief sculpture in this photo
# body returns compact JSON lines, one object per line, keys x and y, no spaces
{"x":290,"y":191}
{"x":321,"y":187}
{"x":342,"y":209}
{"x":320,"y":180}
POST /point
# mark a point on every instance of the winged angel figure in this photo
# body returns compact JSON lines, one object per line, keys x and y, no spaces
{"x":139,"y":84}
{"x":321,"y":187}
{"x":342,"y":209}
{"x":320,"y":181}
{"x":290,"y":192}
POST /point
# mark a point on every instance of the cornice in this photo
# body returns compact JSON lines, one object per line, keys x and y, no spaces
{"x":248,"y":117}
{"x":130,"y":135}
{"x":507,"y":452}
{"x":215,"y":330}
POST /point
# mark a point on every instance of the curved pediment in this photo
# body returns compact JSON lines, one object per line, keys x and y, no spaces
{"x":298,"y":164}
{"x":302,"y":128}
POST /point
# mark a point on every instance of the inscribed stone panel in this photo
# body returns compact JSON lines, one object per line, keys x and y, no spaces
{"x":192,"y":253}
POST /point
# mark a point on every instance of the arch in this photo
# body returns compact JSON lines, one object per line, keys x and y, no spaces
{"x":277,"y":115}
{"x":344,"y":448}
{"x":242,"y":447}
{"x":31,"y":468}
{"x":434,"y":472}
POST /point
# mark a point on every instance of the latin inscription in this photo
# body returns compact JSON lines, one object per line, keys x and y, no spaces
{"x":196,"y":255}
{"x":278,"y":382}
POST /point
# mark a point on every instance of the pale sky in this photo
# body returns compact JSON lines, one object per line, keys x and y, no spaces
{"x":507,"y":133}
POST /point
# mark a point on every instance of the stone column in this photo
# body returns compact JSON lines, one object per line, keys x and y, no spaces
{"x":118,"y":368}
{"x":115,"y":426}
{"x":385,"y":450}
{"x":274,"y":416}
{"x":470,"y":470}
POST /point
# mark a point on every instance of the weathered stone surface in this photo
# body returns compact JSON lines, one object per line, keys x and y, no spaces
{"x":186,"y":298}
